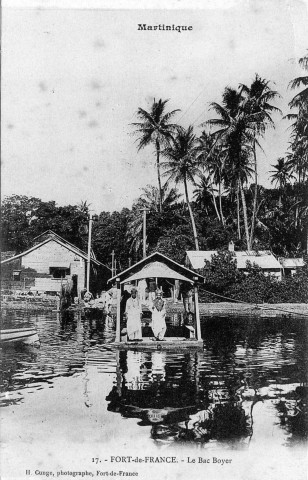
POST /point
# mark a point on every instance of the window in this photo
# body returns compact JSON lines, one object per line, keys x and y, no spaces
{"x":59,"y":272}
{"x":16,"y":275}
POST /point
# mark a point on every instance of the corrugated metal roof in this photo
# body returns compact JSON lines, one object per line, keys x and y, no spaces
{"x":197,"y":257}
{"x":263,"y":259}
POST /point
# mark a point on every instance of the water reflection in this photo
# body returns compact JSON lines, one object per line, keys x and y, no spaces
{"x":247,"y":383}
{"x":212,"y":396}
{"x":179,"y":404}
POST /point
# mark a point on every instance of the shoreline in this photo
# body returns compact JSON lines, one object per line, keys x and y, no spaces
{"x":229,"y":309}
{"x":221,"y":309}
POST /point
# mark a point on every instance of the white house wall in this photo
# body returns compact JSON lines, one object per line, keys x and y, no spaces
{"x":52,"y":254}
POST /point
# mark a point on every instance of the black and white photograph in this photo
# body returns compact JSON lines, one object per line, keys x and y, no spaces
{"x":154,"y":239}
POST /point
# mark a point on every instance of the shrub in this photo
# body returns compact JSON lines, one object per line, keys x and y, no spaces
{"x":223,"y":278}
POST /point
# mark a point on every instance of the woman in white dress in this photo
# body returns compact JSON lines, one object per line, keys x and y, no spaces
{"x":158,"y":317}
{"x":133,"y":313}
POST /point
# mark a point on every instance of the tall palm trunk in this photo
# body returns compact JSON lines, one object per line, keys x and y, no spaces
{"x":220,"y":204}
{"x":215,"y":206}
{"x":238,"y":211}
{"x":245,"y":215}
{"x":255,"y":199}
{"x":191,"y":215}
{"x":158,"y":176}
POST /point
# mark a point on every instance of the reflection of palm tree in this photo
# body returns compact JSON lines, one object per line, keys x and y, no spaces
{"x":182,"y":166}
{"x":155,"y":127}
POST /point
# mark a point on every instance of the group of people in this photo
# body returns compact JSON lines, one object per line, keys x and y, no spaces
{"x":144,"y":295}
{"x":133,"y":313}
{"x":102,"y":301}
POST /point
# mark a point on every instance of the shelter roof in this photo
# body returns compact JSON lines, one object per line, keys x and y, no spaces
{"x":157,"y":265}
{"x":264,"y":259}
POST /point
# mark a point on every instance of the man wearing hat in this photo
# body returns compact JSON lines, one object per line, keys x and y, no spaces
{"x":133,"y":314}
{"x":158,"y":317}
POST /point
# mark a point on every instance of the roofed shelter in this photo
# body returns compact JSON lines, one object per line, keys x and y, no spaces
{"x":157,"y":266}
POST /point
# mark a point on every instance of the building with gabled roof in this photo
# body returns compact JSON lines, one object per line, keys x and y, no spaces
{"x":51,"y":262}
{"x":264,"y":259}
{"x":290,"y":266}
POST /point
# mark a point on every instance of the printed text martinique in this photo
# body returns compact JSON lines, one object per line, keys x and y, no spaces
{"x":163,"y":27}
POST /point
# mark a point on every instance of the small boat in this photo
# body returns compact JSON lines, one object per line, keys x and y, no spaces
{"x":25,"y":335}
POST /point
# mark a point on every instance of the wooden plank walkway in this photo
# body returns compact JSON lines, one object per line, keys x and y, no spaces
{"x":169,"y":343}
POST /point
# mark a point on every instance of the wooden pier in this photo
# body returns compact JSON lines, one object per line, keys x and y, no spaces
{"x":169,"y":343}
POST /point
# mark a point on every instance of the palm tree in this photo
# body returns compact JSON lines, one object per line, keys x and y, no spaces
{"x":182,"y":166}
{"x":256,"y":102}
{"x":155,"y":128}
{"x":236,"y":132}
{"x":149,"y":199}
{"x":204,"y":193}
{"x":298,"y":158}
{"x":83,"y":206}
{"x":281,"y":175}
{"x":213,"y":159}
{"x":301,"y":97}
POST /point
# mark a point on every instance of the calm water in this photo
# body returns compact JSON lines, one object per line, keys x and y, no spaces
{"x":247,"y":387}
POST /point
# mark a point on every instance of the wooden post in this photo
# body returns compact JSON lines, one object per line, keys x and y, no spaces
{"x":89,"y":253}
{"x":118,"y":324}
{"x":197,"y":313}
{"x":112,"y":264}
{"x":144,"y":235}
{"x":119,"y":374}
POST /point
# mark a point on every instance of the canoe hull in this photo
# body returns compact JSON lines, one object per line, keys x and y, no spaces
{"x":25,"y":335}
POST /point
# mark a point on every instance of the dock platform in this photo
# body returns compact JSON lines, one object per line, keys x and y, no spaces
{"x":169,"y":343}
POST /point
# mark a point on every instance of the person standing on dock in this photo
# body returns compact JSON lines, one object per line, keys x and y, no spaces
{"x":152,"y":289}
{"x":142,"y":285}
{"x":187,"y":295}
{"x":133,"y":314}
{"x":158,"y":317}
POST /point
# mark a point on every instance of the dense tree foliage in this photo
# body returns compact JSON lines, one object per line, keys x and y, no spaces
{"x":24,"y":218}
{"x":224,"y":282}
{"x":228,"y":203}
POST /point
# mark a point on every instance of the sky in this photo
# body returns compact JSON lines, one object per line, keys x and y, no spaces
{"x":74,"y":77}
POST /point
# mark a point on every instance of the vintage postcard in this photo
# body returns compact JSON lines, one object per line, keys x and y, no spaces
{"x":154,"y":217}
